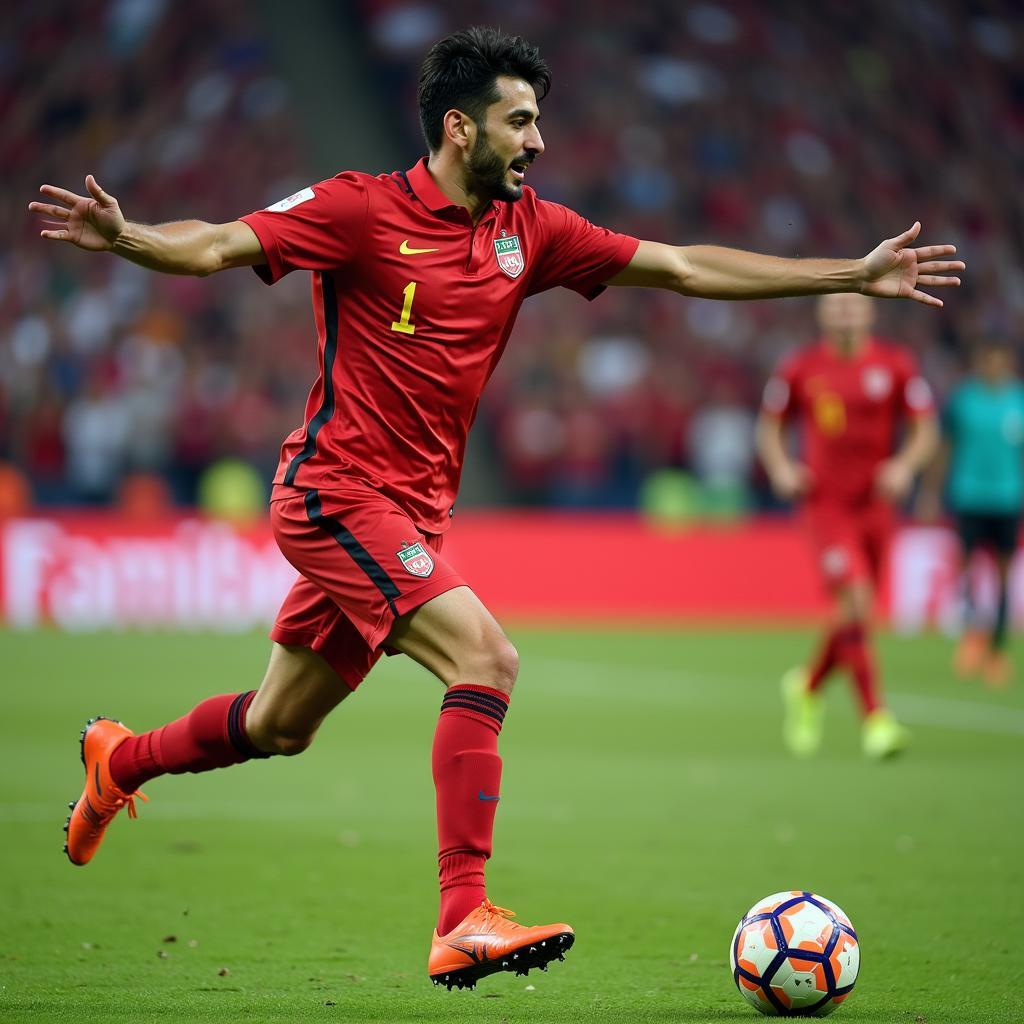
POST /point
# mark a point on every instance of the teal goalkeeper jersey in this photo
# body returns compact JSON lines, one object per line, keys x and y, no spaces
{"x":985,"y":429}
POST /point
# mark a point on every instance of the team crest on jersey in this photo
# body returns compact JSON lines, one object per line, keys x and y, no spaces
{"x":416,"y":560}
{"x":509,"y":256}
{"x":877,"y":382}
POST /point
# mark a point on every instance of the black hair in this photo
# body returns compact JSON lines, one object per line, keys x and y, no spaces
{"x":460,"y":72}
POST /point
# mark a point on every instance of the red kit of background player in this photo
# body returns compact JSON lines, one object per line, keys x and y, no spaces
{"x":854,"y":398}
{"x":850,"y":412}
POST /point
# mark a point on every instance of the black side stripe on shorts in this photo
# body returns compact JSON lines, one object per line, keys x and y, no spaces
{"x":326,"y":410}
{"x":359,"y":554}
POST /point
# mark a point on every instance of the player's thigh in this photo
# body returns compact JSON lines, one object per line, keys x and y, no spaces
{"x":299,"y":690}
{"x":459,"y":640}
{"x":311,"y":618}
{"x":876,"y":529}
{"x":837,"y":548}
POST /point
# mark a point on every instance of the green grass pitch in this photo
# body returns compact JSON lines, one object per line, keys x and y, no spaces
{"x":646,"y":800}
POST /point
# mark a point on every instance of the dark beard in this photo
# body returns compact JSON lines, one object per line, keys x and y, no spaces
{"x":487,"y":173}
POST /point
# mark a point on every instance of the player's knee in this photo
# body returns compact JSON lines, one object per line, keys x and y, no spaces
{"x":288,"y":745}
{"x":502,"y":664}
{"x":275,"y":733}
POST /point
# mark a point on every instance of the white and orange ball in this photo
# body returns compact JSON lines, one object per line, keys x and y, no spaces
{"x":795,"y":954}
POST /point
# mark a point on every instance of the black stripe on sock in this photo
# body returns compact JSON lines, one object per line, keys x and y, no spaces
{"x":236,"y":733}
{"x":359,"y":554}
{"x":480,"y":709}
{"x":488,"y":698}
{"x":484,"y":700}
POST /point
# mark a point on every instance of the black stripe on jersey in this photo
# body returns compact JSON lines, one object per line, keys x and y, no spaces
{"x":326,"y":410}
{"x":380,"y":579}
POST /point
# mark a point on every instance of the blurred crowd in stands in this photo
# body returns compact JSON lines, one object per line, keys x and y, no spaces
{"x":793,"y":128}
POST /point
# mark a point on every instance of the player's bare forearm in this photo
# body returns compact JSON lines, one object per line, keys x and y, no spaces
{"x":769,"y":444}
{"x":94,"y":222}
{"x":920,"y":445}
{"x":715,"y":272}
{"x":790,"y":479}
{"x":191,"y":247}
{"x":891,"y":270}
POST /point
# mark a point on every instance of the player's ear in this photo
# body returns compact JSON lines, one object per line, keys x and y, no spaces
{"x":459,"y":129}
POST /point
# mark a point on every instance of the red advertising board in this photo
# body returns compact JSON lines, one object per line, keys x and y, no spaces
{"x":93,"y":572}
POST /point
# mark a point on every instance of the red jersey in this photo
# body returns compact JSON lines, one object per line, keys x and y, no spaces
{"x":849,"y":411}
{"x":413,"y":306}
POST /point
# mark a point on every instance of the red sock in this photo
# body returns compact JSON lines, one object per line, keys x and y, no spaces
{"x":211,"y":735}
{"x":827,"y":657}
{"x":856,"y":654}
{"x":467,"y":774}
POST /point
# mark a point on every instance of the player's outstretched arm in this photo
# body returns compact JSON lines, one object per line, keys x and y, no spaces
{"x":94,"y":222}
{"x":892,"y":270}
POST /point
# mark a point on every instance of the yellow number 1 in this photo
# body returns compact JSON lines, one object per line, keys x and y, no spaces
{"x":403,"y":326}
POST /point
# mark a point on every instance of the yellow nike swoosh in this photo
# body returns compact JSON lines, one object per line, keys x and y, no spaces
{"x":405,"y":250}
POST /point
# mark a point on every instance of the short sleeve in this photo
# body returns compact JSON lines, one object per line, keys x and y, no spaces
{"x":781,"y":393}
{"x":317,"y":228}
{"x":915,"y":393}
{"x":577,"y":254}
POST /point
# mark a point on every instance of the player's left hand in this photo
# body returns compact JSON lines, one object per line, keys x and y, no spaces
{"x":893,"y":480}
{"x":894,"y":271}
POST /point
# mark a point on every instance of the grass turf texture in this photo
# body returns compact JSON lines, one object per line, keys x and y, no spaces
{"x":646,"y":800}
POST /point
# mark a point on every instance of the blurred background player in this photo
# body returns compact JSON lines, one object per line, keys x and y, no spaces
{"x":982,"y":462}
{"x":850,"y":393}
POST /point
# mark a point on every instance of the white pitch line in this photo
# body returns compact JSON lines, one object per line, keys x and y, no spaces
{"x":964,"y":715}
{"x":915,"y":709}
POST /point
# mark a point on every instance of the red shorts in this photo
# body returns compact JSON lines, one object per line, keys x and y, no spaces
{"x":363,"y":563}
{"x":849,"y":543}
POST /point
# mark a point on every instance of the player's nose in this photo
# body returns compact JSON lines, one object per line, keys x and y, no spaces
{"x":533,"y":142}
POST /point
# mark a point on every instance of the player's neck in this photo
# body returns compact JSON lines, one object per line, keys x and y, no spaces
{"x":848,"y":346}
{"x":449,"y":176}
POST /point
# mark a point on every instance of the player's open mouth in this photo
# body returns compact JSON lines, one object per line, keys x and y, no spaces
{"x":518,"y":171}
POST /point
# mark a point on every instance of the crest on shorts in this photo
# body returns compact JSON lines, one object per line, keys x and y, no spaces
{"x":509,"y":256}
{"x":416,"y":560}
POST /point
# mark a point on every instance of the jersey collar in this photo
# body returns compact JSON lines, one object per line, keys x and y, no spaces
{"x":427,"y":192}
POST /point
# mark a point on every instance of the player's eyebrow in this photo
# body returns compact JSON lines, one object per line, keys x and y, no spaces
{"x":523,"y":112}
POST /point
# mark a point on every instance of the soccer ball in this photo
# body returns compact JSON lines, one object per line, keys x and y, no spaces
{"x":794,"y":954}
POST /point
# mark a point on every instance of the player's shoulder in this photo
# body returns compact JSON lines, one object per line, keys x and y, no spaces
{"x":891,"y":351}
{"x":804,"y":356}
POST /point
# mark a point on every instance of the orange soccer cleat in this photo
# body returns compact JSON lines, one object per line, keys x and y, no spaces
{"x":997,"y":671}
{"x":101,"y":799}
{"x":486,"y":941}
{"x":970,"y":653}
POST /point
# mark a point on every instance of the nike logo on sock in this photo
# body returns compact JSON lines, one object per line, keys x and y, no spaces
{"x":484,"y":796}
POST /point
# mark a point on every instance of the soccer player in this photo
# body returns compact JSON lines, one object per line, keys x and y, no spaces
{"x":850,"y":393}
{"x":983,"y":448}
{"x":417,"y":277}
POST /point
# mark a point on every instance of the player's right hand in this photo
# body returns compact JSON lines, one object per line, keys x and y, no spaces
{"x":791,"y":480}
{"x":93,"y":222}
